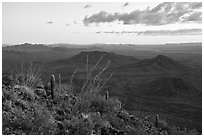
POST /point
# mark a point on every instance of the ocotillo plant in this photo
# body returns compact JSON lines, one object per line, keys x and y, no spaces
{"x":107,"y":95}
{"x":60,"y":86}
{"x":52,"y":82}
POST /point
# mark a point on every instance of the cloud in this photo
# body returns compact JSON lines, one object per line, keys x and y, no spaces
{"x":126,"y":4}
{"x":195,"y":17}
{"x":50,"y":22}
{"x":101,"y":17}
{"x":164,"y":13}
{"x":196,"y":5}
{"x":158,"y":32}
{"x":87,"y":6}
{"x":74,"y":22}
{"x":67,"y":24}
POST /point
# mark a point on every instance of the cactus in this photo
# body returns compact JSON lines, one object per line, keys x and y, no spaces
{"x":107,"y":95}
{"x":178,"y":129}
{"x":104,"y":97}
{"x":52,"y":82}
{"x":120,"y":105}
{"x":156,"y":120}
{"x":60,"y":85}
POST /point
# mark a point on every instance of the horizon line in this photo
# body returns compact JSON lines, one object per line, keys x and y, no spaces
{"x":101,"y":43}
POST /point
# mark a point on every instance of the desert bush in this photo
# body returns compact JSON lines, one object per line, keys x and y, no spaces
{"x":29,"y":78}
{"x":8,"y":80}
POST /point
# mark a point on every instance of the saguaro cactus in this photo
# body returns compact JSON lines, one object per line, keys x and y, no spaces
{"x":120,"y":105}
{"x":107,"y":95}
{"x":52,"y":86}
{"x":60,"y":85}
{"x":156,"y":120}
{"x":178,"y":129}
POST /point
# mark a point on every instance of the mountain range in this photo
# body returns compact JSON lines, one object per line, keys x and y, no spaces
{"x":148,"y":80}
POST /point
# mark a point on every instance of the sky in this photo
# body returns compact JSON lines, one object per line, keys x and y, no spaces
{"x":101,"y":22}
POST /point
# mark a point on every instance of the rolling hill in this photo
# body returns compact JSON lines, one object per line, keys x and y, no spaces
{"x":159,"y":63}
{"x":176,"y":99}
{"x":68,"y":65}
{"x":94,"y":56}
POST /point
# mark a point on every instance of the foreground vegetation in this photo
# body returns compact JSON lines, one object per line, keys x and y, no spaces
{"x":32,"y":107}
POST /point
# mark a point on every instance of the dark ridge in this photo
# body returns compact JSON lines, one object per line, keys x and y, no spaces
{"x":95,"y":52}
{"x":161,"y":60}
{"x":159,"y":63}
{"x":94,"y":56}
{"x":26,"y":46}
{"x":161,"y":57}
{"x":170,"y":87}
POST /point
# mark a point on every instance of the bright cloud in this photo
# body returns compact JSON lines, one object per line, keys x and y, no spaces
{"x":164,"y":13}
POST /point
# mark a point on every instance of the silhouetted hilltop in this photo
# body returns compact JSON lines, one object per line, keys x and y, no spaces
{"x":94,"y":56}
{"x":159,"y":63}
{"x":27,"y":47}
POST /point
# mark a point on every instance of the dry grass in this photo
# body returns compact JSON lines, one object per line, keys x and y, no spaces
{"x":91,"y":87}
{"x":31,"y":77}
{"x":94,"y":83}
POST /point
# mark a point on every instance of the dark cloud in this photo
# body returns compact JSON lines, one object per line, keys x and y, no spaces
{"x":158,"y":32}
{"x":166,"y":5}
{"x":196,"y":16}
{"x":101,"y":17}
{"x":50,"y":22}
{"x":87,"y":6}
{"x":74,"y":22}
{"x":164,"y":13}
{"x":67,"y":24}
{"x":126,"y":4}
{"x":196,"y":5}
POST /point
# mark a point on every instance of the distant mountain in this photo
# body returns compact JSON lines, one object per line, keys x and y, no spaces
{"x":82,"y":47}
{"x":5,"y":45}
{"x":169,"y":87}
{"x":27,"y":47}
{"x":40,"y":52}
{"x":159,"y":63}
{"x":184,"y":44}
{"x":16,"y":54}
{"x":79,"y":61}
{"x":94,"y":56}
{"x":51,"y":51}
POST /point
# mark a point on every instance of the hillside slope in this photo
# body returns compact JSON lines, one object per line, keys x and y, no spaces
{"x":172,"y":87}
{"x":79,"y":62}
{"x":159,"y":63}
{"x":36,"y":110}
{"x":94,"y":56}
